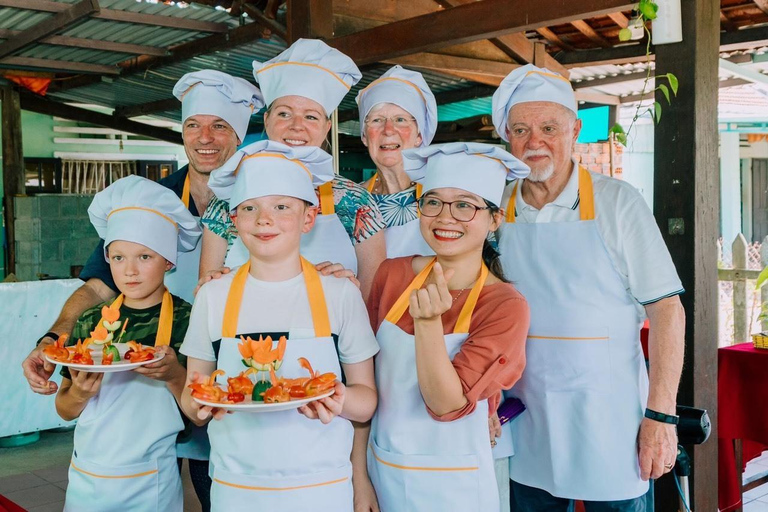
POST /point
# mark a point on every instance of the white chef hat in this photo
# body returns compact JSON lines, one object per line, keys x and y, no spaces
{"x":214,"y":93}
{"x":530,"y":83}
{"x":142,"y":211}
{"x":408,"y":90}
{"x":308,"y":68}
{"x":269,"y":168}
{"x":478,"y":168}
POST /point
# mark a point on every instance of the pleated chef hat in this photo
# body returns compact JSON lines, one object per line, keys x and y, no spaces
{"x":529,"y":83}
{"x":408,"y":90}
{"x":269,"y":168}
{"x":478,"y":168}
{"x":139,"y":210}
{"x":308,"y":68}
{"x":214,"y":93}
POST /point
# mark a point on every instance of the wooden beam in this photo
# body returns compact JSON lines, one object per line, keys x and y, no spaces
{"x":144,"y":109}
{"x":310,"y":18}
{"x":41,"y":105}
{"x":13,"y":168}
{"x":265,"y":20}
{"x":726,"y":24}
{"x":91,"y":44}
{"x":124,"y":16}
{"x":49,"y":26}
{"x":616,"y":55}
{"x":583,"y":27}
{"x":619,"y":19}
{"x":73,"y":82}
{"x":598,"y":98}
{"x":449,"y":63}
{"x":686,"y":199}
{"x":763,"y":5}
{"x":466,"y":23}
{"x":58,"y":65}
{"x":744,"y":39}
{"x":554,"y":39}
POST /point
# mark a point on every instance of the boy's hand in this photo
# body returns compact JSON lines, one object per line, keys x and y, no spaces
{"x":166,"y":369}
{"x":205,"y":412}
{"x":327,"y":268}
{"x":210,"y":275}
{"x":85,"y":385}
{"x":326,"y":408}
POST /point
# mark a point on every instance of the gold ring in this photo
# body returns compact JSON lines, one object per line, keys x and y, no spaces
{"x":493,"y":442}
{"x":669,"y":466}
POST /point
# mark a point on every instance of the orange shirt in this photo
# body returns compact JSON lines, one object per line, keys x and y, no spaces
{"x":493,"y":356}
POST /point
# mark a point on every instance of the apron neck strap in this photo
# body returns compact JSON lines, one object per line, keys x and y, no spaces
{"x":419,"y":190}
{"x":326,"y":199}
{"x":586,"y":198}
{"x":165,"y":324}
{"x":465,"y":316}
{"x":185,"y":192}
{"x":372,"y":182}
{"x":317,"y":303}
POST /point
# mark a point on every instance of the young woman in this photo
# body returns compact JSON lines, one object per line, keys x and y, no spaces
{"x":452,"y":336}
{"x":302,"y":87}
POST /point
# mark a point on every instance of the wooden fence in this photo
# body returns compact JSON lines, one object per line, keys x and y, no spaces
{"x":743,"y":279}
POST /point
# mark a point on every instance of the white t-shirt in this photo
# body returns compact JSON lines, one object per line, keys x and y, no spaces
{"x":279,"y":307}
{"x":627,"y":226}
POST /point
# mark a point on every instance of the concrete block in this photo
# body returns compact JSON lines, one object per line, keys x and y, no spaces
{"x":85,"y":247}
{"x":26,"y":207}
{"x":83,"y":203}
{"x":28,"y":252}
{"x":69,"y":206}
{"x":83,"y":229}
{"x":27,"y":272}
{"x":51,"y":249}
{"x":56,"y":229}
{"x":69,"y":250}
{"x":27,"y":230}
{"x":55,"y":268}
{"x":50,"y":206}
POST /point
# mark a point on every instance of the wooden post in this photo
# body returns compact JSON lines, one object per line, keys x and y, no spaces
{"x":309,"y":18}
{"x":13,"y":168}
{"x":686,"y":208}
{"x":740,"y":297}
{"x":764,"y":289}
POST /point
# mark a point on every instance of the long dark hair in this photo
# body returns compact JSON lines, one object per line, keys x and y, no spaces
{"x":491,"y":256}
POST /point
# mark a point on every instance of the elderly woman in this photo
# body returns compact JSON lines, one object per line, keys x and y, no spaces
{"x":301,"y":87}
{"x":397,"y":112}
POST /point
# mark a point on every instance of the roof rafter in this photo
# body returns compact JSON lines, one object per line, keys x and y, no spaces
{"x":92,"y":44}
{"x":151,"y":107}
{"x":583,"y":27}
{"x":50,"y":26}
{"x":449,"y":63}
{"x":762,"y":4}
{"x":58,"y":65}
{"x":554,"y":39}
{"x":490,"y":18}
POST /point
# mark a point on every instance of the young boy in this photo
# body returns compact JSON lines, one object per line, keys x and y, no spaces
{"x":281,"y":460}
{"x":125,"y":440}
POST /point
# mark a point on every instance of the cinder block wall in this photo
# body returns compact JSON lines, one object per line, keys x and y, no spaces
{"x":53,"y":233}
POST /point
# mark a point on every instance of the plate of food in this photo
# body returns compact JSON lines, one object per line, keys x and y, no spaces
{"x":277,"y":394}
{"x":86,"y":356}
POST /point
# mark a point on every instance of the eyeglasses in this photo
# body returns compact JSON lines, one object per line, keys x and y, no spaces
{"x":462,"y":211}
{"x":397,"y":121}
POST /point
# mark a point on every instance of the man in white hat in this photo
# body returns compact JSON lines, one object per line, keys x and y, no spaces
{"x":585,"y":251}
{"x":216,"y":109}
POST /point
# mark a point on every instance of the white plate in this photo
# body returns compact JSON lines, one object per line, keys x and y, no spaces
{"x":118,"y":366}
{"x":248,"y":405}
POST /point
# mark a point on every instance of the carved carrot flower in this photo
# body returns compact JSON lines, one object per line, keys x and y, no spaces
{"x":260,"y":355}
{"x":110,"y":318}
{"x":100,"y":335}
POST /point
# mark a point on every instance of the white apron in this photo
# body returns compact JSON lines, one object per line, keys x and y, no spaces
{"x":281,"y":461}
{"x":585,"y":384}
{"x":181,"y":281}
{"x":406,"y":239}
{"x":415,"y":462}
{"x":328,"y":240}
{"x":125,"y":442}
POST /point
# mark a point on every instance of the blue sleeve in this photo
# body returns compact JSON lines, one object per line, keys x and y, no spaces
{"x":97,"y":267}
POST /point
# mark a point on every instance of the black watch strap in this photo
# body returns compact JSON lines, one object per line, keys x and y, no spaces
{"x":661,"y":417}
{"x":49,"y":334}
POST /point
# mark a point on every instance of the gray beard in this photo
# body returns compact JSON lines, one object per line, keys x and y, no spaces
{"x":542,"y":175}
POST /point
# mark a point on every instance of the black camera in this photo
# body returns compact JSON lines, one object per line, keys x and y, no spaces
{"x":694,"y":426}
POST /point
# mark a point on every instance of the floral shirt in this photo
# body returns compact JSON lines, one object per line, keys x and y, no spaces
{"x":398,"y":208}
{"x":355,"y":206}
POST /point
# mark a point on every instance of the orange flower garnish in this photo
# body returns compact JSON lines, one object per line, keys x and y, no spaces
{"x":260,"y":354}
{"x":100,"y":333}
{"x":109,"y":314}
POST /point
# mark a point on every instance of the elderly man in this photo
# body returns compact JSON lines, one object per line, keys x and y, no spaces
{"x":587,"y":254}
{"x":215,"y":109}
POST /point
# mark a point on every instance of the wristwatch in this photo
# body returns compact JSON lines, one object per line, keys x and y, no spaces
{"x":661,"y":417}
{"x":49,"y":334}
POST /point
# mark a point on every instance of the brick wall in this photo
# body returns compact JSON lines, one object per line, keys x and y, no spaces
{"x":53,"y":233}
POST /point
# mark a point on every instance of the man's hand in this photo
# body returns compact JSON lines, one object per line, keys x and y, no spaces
{"x":657,"y":448}
{"x":327,"y":268}
{"x":210,"y":275}
{"x":37,"y":370}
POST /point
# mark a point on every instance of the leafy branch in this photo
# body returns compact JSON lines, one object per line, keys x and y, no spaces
{"x":647,"y":11}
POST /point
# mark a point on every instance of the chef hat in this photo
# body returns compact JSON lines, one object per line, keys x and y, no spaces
{"x":308,"y":68}
{"x":142,"y":211}
{"x":408,"y":90}
{"x":269,"y":168}
{"x":478,"y":168}
{"x":529,"y":83}
{"x":214,"y":93}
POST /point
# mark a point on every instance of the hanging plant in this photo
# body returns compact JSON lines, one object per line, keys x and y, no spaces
{"x":647,"y":11}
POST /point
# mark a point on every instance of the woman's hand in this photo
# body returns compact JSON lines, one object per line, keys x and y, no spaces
{"x":337,"y":270}
{"x":85,"y":385}
{"x":494,"y":428}
{"x":430,"y":302}
{"x":211,"y":275}
{"x":326,"y":408}
{"x":166,"y":369}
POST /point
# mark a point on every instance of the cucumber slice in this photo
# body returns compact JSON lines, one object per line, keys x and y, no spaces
{"x":111,"y":349}
{"x":259,"y":388}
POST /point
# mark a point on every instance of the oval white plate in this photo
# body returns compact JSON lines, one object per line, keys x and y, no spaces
{"x":249,"y":405}
{"x":119,"y":366}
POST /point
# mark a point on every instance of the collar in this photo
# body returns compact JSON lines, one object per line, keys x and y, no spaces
{"x":568,"y":198}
